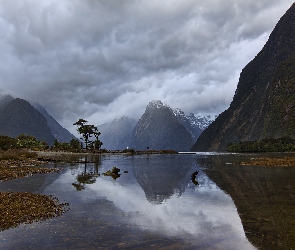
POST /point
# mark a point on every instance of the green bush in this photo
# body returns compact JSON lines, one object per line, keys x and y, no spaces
{"x":7,"y":142}
{"x":29,"y":141}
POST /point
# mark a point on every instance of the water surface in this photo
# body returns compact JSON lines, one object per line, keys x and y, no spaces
{"x":152,"y":205}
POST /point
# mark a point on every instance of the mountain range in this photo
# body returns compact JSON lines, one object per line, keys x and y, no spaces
{"x":264,"y":102}
{"x":18,"y":116}
{"x":160,"y":127}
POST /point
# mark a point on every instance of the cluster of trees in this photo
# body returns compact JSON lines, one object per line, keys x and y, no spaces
{"x":87,"y":131}
{"x":21,"y":141}
{"x":73,"y":146}
{"x":283,"y":144}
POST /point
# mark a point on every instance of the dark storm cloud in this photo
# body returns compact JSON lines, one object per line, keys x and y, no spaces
{"x":103,"y":59}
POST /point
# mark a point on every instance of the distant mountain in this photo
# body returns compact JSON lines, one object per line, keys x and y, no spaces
{"x":59,"y":132}
{"x":264,"y":102}
{"x":117,"y":134}
{"x":20,"y":117}
{"x":11,"y":108}
{"x":159,"y":128}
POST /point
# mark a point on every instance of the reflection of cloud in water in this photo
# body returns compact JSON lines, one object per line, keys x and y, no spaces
{"x":201,"y":214}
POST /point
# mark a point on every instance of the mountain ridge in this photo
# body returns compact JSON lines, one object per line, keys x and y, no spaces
{"x":18,"y":116}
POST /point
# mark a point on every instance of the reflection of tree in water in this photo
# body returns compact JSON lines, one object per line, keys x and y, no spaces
{"x":83,"y":179}
{"x":89,"y":174}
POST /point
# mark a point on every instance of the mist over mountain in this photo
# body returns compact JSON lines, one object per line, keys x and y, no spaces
{"x":5,"y":99}
{"x":117,"y":134}
{"x":264,"y":102}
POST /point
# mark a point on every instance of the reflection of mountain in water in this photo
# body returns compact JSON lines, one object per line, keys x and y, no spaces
{"x":264,"y":197}
{"x":161,"y":179}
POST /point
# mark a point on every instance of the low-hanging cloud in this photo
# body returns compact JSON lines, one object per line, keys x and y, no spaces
{"x":99,"y":60}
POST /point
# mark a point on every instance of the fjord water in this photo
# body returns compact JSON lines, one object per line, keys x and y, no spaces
{"x":153,"y":205}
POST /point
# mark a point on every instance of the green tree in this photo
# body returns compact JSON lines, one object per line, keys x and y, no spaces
{"x":75,"y":144}
{"x":97,"y":143}
{"x":87,"y":131}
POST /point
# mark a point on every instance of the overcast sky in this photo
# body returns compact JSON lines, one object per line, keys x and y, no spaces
{"x":102,"y":59}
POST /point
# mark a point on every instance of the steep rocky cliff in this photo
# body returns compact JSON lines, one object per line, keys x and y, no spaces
{"x":264,"y":103}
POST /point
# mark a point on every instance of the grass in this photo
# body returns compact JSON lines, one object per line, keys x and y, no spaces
{"x":16,"y":154}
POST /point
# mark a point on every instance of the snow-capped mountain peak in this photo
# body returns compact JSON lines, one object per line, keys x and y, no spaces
{"x":156,"y":104}
{"x":201,"y":121}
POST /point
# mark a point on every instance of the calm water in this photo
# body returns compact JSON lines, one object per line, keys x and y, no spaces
{"x":153,"y":205}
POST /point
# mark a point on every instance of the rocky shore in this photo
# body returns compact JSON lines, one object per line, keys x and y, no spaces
{"x":22,"y":207}
{"x":11,"y":169}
